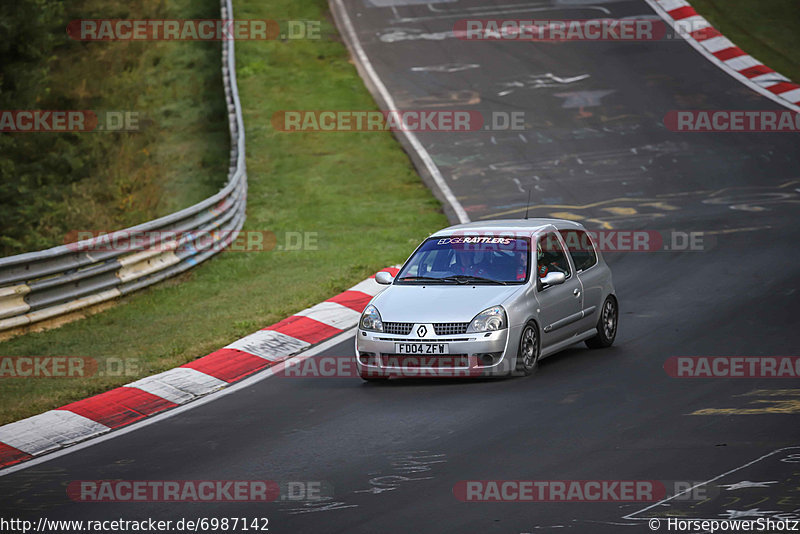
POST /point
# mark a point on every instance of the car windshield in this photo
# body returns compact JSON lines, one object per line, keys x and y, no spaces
{"x":468,"y":259}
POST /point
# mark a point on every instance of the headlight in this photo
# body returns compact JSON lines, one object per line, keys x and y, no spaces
{"x":371,"y":319}
{"x":489,"y":320}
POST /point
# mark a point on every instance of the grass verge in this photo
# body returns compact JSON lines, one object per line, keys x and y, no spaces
{"x":55,"y":184}
{"x":768,"y":30}
{"x":357,"y":194}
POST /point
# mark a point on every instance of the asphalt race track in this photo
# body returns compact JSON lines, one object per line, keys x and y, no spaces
{"x":594,"y":148}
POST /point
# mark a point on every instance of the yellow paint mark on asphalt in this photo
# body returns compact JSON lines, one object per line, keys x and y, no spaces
{"x":571,"y":206}
{"x":783,"y":407}
{"x":674,"y":513}
{"x":661,"y":206}
{"x":772,"y":393}
{"x":605,"y":225}
{"x":618,"y":117}
{"x":620,"y":210}
{"x":697,"y":192}
{"x":656,"y":203}
{"x":735,"y":230}
{"x":567,"y":215}
{"x":747,"y":207}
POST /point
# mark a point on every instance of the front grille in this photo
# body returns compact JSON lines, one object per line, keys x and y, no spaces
{"x":450,"y":329}
{"x":401,"y":329}
{"x":428,"y":340}
{"x":437,"y":361}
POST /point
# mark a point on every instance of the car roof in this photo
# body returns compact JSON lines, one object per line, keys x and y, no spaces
{"x":512,"y":226}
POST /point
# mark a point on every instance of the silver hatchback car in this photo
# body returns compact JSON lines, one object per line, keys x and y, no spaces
{"x":486,"y":299}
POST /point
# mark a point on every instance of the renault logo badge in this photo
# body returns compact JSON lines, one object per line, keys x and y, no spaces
{"x":421,"y":331}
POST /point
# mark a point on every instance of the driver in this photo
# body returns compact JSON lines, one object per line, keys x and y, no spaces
{"x":466,"y":264}
{"x":545,"y":266}
{"x":542,"y":269}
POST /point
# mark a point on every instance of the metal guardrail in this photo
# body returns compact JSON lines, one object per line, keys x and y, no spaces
{"x":40,"y":285}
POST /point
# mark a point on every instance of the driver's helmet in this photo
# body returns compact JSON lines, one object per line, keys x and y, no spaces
{"x":539,"y":252}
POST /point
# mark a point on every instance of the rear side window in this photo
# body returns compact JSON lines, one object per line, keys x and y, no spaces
{"x":580,"y":248}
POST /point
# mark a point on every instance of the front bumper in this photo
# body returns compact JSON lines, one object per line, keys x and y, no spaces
{"x":470,"y":355}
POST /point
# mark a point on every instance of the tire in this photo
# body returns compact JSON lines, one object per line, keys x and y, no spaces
{"x":529,"y":350}
{"x":606,"y":325}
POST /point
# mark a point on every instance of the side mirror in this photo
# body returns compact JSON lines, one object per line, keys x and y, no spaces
{"x":385,"y":279}
{"x":552,"y":279}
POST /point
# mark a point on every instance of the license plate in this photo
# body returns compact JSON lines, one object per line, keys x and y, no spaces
{"x":421,"y":348}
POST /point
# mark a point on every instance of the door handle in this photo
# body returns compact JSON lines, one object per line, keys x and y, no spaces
{"x":576,"y":292}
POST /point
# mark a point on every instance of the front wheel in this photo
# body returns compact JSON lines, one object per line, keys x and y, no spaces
{"x":528,"y":353}
{"x":606,"y":325}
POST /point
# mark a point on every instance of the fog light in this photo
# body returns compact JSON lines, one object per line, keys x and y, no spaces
{"x":486,"y":359}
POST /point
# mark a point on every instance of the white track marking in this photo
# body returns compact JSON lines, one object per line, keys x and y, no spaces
{"x":179,"y":385}
{"x":247,"y":382}
{"x":730,"y":66}
{"x":369,"y":286}
{"x":715,"y":44}
{"x":670,"y":5}
{"x":364,"y":62}
{"x":332,"y":314}
{"x":689,"y":490}
{"x":769,"y":77}
{"x":742,"y":62}
{"x":269,"y":344}
{"x":793,"y":95}
{"x":49,"y":430}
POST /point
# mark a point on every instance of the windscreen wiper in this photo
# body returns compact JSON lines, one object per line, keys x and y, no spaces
{"x":465,"y":278}
{"x":426,"y":278}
